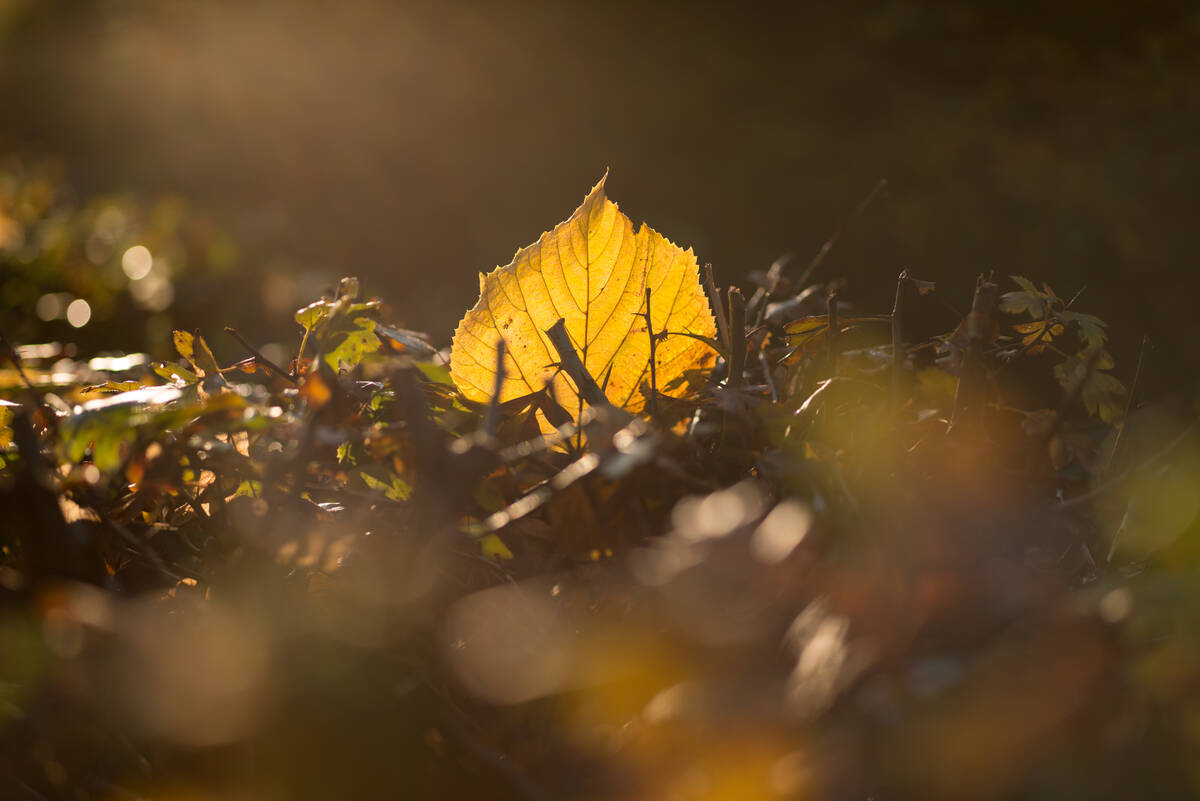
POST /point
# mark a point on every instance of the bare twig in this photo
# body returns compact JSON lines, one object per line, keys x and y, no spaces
{"x":766,"y":368}
{"x":979,"y":327}
{"x":142,"y":547}
{"x":491,"y":417}
{"x":737,"y":337}
{"x":261,"y":359}
{"x":653,"y":368}
{"x":715,"y":293}
{"x":880,"y":188}
{"x":11,"y":351}
{"x":587,"y":387}
{"x":757,"y":307}
{"x":1137,"y":374}
{"x":831,"y":308}
{"x":47,"y":417}
{"x":897,"y":337}
{"x":1101,"y":489}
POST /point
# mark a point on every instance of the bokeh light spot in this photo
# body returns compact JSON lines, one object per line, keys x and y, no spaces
{"x":79,"y":313}
{"x":137,"y":262}
{"x":51,"y":306}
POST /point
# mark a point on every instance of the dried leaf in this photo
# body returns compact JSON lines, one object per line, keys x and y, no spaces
{"x":592,"y":271}
{"x":183,"y":345}
{"x":1039,"y":333}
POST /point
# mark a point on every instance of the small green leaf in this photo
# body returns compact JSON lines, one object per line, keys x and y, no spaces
{"x":175,"y":373}
{"x":393,"y":488}
{"x":313,"y":313}
{"x":346,"y":340}
{"x":1026,"y":285}
{"x":1030,"y":300}
{"x":1101,"y":394}
{"x":1091,"y":328}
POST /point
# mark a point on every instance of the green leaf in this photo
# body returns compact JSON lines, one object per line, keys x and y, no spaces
{"x":1027,"y":285}
{"x":1030,"y":300}
{"x":111,"y":388}
{"x":313,"y":313}
{"x":437,"y":373}
{"x":175,"y":373}
{"x":109,"y":424}
{"x":346,"y":340}
{"x":1102,"y":395}
{"x":1091,"y":328}
{"x":392,"y":486}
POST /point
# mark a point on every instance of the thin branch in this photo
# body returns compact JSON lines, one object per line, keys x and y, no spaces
{"x":757,"y":307}
{"x":587,"y":387}
{"x":1120,"y":478}
{"x":491,"y":417}
{"x":1137,"y":374}
{"x":261,"y":359}
{"x":737,"y":337}
{"x":831,"y":309}
{"x":972,"y":375}
{"x":653,"y":368}
{"x":713,"y":292}
{"x":766,"y":368}
{"x":880,"y":188}
{"x":897,"y":337}
{"x":712,"y":343}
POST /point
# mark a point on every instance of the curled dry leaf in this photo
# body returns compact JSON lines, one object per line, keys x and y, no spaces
{"x":592,"y":271}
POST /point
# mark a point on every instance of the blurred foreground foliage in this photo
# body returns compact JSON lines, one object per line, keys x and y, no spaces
{"x":856,"y":567}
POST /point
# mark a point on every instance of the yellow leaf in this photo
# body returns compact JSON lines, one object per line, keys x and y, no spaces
{"x":592,"y":271}
{"x":494,"y":548}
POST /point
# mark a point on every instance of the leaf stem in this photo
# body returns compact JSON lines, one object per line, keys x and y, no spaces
{"x":653,"y":370}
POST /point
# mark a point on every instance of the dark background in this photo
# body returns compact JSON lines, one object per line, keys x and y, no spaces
{"x":417,"y":144}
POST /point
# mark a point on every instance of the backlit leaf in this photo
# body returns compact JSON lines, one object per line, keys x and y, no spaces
{"x":183,"y":345}
{"x":1030,"y":299}
{"x":347,"y":339}
{"x":592,"y":271}
{"x":1091,"y":328}
{"x":312,"y":314}
{"x":391,"y":485}
{"x":1036,"y":335}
